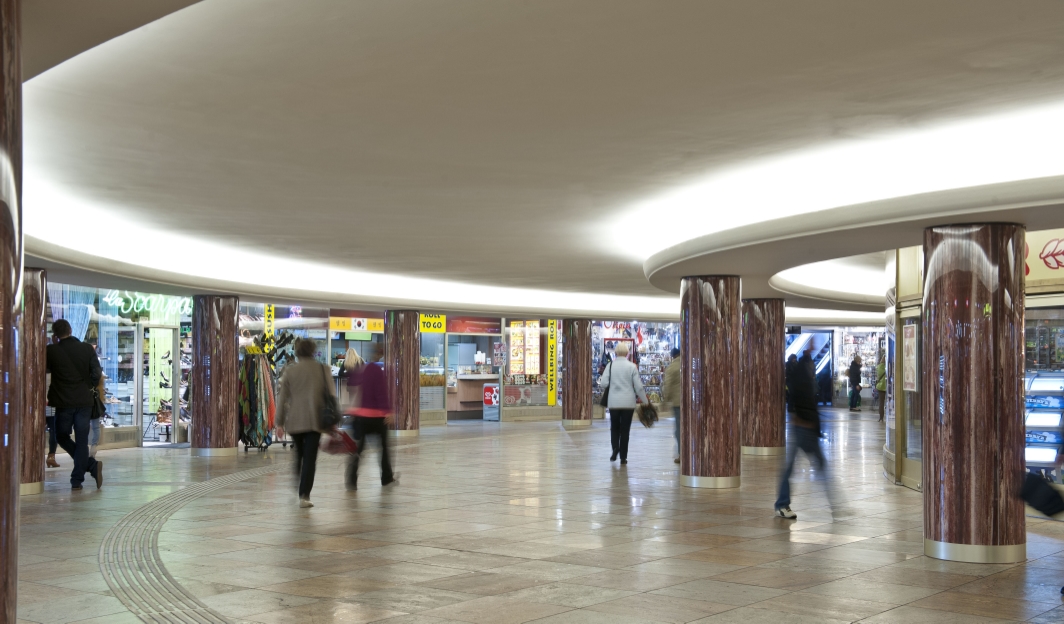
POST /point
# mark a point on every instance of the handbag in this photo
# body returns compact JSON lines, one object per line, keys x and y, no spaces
{"x":606,"y":393}
{"x":329,"y":416}
{"x":648,"y":414}
{"x":339,"y":443}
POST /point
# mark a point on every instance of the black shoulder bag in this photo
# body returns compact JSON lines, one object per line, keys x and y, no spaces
{"x":606,"y":393}
{"x":330,"y":410}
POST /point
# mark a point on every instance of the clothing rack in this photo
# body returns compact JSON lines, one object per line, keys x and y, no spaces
{"x":257,"y":399}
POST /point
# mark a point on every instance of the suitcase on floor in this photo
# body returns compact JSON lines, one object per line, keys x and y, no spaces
{"x":1040,"y":494}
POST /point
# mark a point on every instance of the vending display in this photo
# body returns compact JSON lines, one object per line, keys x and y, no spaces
{"x":1043,"y":421}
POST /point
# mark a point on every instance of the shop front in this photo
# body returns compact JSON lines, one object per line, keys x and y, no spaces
{"x":143,"y":343}
{"x":531,"y":387}
{"x":649,"y":347}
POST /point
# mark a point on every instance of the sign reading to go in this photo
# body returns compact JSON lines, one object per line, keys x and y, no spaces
{"x":433,"y":323}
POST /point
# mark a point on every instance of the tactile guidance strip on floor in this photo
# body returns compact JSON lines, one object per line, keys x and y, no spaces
{"x":130,"y":561}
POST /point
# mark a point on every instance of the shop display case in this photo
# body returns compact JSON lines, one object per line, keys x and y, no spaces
{"x":1043,"y":421}
{"x":1044,"y":389}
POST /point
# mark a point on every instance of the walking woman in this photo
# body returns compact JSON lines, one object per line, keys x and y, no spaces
{"x":622,"y":379}
{"x":373,"y":415}
{"x":299,"y":401}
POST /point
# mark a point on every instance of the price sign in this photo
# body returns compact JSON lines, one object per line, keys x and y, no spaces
{"x":433,"y":323}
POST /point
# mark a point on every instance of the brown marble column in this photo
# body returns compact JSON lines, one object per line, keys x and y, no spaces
{"x":215,"y":368}
{"x":763,"y":387}
{"x":402,"y":362}
{"x":34,"y":339}
{"x":709,"y":431}
{"x":973,"y":393}
{"x":10,"y":305}
{"x":577,"y":406}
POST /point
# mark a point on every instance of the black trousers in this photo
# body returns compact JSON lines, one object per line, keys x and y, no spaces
{"x":306,"y":444}
{"x":75,"y":419}
{"x":620,"y":428}
{"x":365,"y":427}
{"x":52,"y":443}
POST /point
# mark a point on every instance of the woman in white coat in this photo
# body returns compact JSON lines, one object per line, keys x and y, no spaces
{"x":622,"y":379}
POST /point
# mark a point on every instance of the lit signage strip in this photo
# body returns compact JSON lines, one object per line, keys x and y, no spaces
{"x":127,"y":302}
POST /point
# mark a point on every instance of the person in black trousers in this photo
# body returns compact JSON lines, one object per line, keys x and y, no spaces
{"x":75,"y":373}
{"x":300,"y":398}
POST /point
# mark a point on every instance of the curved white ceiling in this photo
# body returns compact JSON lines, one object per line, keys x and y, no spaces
{"x":511,"y":156}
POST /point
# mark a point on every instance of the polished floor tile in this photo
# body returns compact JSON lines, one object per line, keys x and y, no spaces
{"x":526,"y":522}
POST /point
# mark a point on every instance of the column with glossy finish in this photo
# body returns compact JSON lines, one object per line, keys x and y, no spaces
{"x":402,"y":361}
{"x":577,"y":406}
{"x":34,"y":338}
{"x":10,"y":306}
{"x":763,"y":387}
{"x":973,"y":393}
{"x":214,"y":375}
{"x":709,"y":431}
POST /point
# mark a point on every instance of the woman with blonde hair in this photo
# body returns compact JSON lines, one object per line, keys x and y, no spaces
{"x":349,"y":369}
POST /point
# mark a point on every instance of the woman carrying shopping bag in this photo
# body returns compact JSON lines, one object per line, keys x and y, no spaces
{"x":622,"y":382}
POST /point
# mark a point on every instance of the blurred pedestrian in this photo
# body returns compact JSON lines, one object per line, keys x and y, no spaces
{"x":804,"y":436}
{"x":625,"y":387}
{"x":881,"y":386}
{"x":789,"y":370}
{"x":349,"y":370}
{"x":372,"y":416}
{"x":671,"y":392}
{"x":303,"y":387}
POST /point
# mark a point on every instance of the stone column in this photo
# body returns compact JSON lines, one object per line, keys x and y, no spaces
{"x":402,"y":363}
{"x":972,"y":391}
{"x":214,"y":376}
{"x":763,"y":384}
{"x":577,"y":406}
{"x":709,"y":430}
{"x":34,"y":340}
{"x":10,"y":305}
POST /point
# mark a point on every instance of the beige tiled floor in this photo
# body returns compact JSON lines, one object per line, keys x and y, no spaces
{"x":526,"y":522}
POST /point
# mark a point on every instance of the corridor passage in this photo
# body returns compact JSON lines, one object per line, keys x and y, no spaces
{"x":508,"y":523}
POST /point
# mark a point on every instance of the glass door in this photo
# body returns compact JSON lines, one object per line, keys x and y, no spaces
{"x":158,"y":382}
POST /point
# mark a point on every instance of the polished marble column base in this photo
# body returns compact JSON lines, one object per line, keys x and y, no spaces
{"x":975,"y":553}
{"x":213,"y":452}
{"x":403,"y":433}
{"x":764,"y":450}
{"x":576,"y":424}
{"x":28,"y":489}
{"x":709,"y":482}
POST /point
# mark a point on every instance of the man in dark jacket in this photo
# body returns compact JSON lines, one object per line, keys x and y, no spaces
{"x":75,"y":372}
{"x":855,"y":382}
{"x":805,"y":433}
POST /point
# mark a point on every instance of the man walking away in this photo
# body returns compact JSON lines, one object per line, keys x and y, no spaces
{"x":855,"y":383}
{"x":671,"y":393}
{"x":75,"y":372}
{"x":804,"y":435}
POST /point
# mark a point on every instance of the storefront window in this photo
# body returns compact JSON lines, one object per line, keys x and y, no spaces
{"x":1044,"y":385}
{"x":526,"y":381}
{"x":914,"y":429}
{"x":649,"y":347}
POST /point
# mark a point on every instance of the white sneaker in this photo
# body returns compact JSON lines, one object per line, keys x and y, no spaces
{"x":785,"y":512}
{"x":304,"y":503}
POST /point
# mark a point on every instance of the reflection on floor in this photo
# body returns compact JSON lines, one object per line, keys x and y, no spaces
{"x":507,"y":523}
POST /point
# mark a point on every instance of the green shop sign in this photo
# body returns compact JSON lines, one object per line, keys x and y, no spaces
{"x":137,"y":302}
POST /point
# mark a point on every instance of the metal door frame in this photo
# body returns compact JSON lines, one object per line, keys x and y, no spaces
{"x":175,"y":376}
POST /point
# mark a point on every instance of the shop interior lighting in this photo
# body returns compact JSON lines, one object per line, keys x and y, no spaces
{"x":1047,"y":384}
{"x":1040,"y":454}
{"x":1022,"y":144}
{"x":1043,"y":419}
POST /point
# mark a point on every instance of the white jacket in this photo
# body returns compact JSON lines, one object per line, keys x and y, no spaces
{"x":622,"y":378}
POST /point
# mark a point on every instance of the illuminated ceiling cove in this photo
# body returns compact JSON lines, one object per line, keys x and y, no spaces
{"x":546,"y":157}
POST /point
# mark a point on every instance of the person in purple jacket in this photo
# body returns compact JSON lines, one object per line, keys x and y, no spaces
{"x":372,"y":416}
